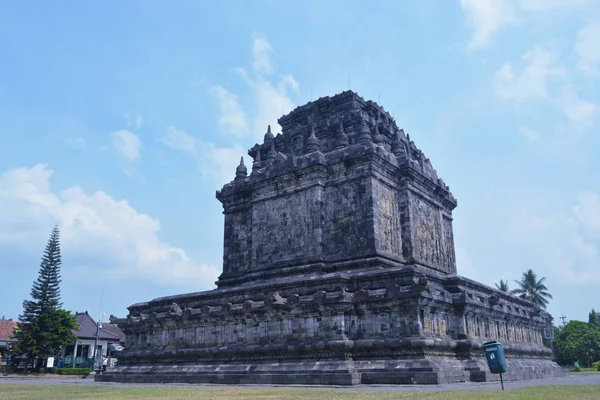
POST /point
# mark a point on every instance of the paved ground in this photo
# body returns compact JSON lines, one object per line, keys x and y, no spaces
{"x":574,"y":379}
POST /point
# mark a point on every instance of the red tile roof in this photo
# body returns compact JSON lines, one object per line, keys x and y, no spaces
{"x":6,"y":329}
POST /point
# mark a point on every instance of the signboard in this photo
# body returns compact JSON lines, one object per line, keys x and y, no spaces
{"x":50,"y":362}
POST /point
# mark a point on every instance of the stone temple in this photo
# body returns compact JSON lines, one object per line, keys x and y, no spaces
{"x":338,"y":268}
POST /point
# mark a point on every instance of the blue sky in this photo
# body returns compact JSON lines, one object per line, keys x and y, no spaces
{"x":119,"y":120}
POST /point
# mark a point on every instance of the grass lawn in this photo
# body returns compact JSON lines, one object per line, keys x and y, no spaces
{"x":56,"y":392}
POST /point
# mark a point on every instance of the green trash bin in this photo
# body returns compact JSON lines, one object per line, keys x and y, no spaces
{"x":494,"y":353}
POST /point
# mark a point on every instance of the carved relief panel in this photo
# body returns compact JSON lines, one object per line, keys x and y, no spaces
{"x":286,"y":229}
{"x":426,"y":233}
{"x":387,"y":219}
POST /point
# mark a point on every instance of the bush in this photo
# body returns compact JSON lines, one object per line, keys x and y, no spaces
{"x":577,"y":341}
{"x":73,"y":371}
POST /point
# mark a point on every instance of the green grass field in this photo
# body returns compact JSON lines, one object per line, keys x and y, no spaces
{"x":55,"y":392}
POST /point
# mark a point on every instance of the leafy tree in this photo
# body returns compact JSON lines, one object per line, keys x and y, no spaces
{"x":44,"y":327}
{"x":532,"y":289}
{"x":594,"y":318}
{"x":577,"y":341}
{"x":503,"y":286}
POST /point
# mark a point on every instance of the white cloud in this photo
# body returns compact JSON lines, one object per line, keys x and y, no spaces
{"x":216,"y":164}
{"x":529,"y":133}
{"x":127,"y":144}
{"x":98,"y":232}
{"x":271,"y":102}
{"x":271,"y":96}
{"x":580,"y":111}
{"x":288,"y":81}
{"x":77,"y":143}
{"x":261,"y":50}
{"x":545,"y":82}
{"x":133,"y":121}
{"x":180,"y":140}
{"x":587,"y":210}
{"x":545,"y":5}
{"x":558,"y":245}
{"x":219,"y":163}
{"x":532,"y":82}
{"x":232,"y":115}
{"x":487,"y":17}
{"x":587,"y":48}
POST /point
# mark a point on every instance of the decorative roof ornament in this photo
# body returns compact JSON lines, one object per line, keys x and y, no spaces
{"x":312,"y":143}
{"x":341,"y":139}
{"x":364,"y":134}
{"x":269,"y":135}
{"x":271,"y":154}
{"x":257,"y":164}
{"x":241,"y":171}
{"x":398,"y":148}
{"x":378,"y":137}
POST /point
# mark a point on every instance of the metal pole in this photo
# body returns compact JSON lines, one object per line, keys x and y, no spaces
{"x":501,"y":382}
{"x":93,"y":371}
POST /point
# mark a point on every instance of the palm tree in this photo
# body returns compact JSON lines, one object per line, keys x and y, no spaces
{"x":533,"y":290}
{"x":503,"y":285}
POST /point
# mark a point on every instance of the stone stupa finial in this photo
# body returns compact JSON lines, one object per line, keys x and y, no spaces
{"x":341,"y":139}
{"x":364,"y":134}
{"x":269,"y":135}
{"x":378,"y":137}
{"x":257,"y":161}
{"x":312,"y":143}
{"x":241,"y":171}
{"x":271,"y":154}
{"x":398,"y":148}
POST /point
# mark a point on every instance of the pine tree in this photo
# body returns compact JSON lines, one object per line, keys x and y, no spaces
{"x":44,"y":327}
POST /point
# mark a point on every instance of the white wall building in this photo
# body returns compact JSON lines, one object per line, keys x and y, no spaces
{"x":90,"y":333}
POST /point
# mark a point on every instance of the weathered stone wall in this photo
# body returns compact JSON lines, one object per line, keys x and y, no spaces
{"x":448,"y":243}
{"x":346,"y":228}
{"x":237,"y":254}
{"x":388,"y":228}
{"x":339,"y":268}
{"x":426,"y":232}
{"x":389,"y":307}
{"x":285,"y":227}
{"x":345,"y":185}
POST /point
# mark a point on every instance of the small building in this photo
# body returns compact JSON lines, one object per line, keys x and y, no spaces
{"x":7,"y":327}
{"x":104,"y":335}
